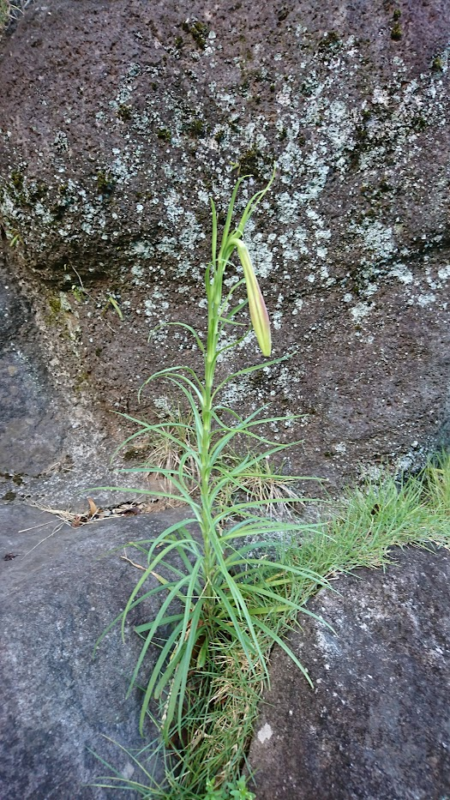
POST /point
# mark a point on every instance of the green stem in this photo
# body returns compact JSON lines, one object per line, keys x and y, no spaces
{"x":214,"y":302}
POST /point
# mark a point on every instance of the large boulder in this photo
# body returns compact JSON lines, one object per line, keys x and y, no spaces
{"x":119,"y":120}
{"x":377,"y":723}
{"x":60,"y":588}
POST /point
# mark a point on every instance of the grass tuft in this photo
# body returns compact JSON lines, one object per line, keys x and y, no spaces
{"x":223,"y":702}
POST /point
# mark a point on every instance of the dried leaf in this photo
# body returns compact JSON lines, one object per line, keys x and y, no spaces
{"x":93,"y":510}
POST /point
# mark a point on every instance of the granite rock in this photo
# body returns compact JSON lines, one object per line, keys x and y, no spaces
{"x":118,"y":121}
{"x":60,"y":588}
{"x":376,"y":726}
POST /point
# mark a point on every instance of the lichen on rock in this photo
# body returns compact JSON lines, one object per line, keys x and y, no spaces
{"x":163,"y":106}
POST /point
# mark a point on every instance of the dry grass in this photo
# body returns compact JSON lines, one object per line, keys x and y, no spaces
{"x":265,"y":485}
{"x":5,"y":14}
{"x":10,"y":11}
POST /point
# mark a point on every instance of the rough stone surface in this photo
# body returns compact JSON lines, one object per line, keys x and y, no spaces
{"x":60,"y":588}
{"x":376,"y":726}
{"x":52,"y":446}
{"x":30,"y":428}
{"x":118,"y":120}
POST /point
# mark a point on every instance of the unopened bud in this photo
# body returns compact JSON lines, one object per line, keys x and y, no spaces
{"x":257,"y":307}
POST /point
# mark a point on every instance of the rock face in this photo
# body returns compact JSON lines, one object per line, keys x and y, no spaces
{"x":376,"y":724}
{"x":52,"y":444}
{"x":58,"y":702}
{"x":118,"y":121}
{"x":31,"y":431}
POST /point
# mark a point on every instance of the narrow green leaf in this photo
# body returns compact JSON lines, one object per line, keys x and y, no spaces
{"x":226,"y":229}
{"x":249,"y":370}
{"x":253,"y":203}
{"x":141,"y":629}
{"x":172,"y":372}
{"x":259,"y":591}
{"x":184,"y":325}
{"x":191,"y":642}
{"x":239,"y":600}
{"x":161,"y":659}
{"x":214,"y":236}
{"x":225,"y":303}
{"x":146,"y":492}
{"x":270,"y":633}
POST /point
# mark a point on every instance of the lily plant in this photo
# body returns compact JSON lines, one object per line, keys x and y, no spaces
{"x":215,"y":570}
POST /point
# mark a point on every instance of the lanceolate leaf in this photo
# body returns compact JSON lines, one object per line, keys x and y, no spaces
{"x":215,"y":574}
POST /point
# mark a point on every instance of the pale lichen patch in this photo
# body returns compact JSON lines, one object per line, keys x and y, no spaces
{"x":360,"y":312}
{"x":265,"y":733}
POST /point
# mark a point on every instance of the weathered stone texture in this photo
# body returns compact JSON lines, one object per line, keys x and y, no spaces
{"x":119,"y":120}
{"x":31,"y":429}
{"x":60,"y":588}
{"x":376,"y":726}
{"x":53,"y":445}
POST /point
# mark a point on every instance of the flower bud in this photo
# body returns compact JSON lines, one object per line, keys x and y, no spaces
{"x":257,"y":306}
